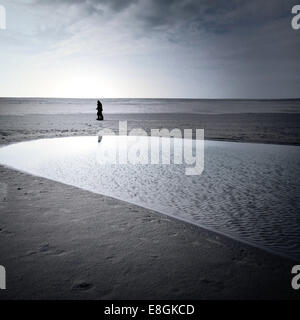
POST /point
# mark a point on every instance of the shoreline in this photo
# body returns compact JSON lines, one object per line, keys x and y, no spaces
{"x":203,"y":228}
{"x":173,"y":239}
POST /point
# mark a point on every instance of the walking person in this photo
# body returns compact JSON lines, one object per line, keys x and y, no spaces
{"x":99,"y":111}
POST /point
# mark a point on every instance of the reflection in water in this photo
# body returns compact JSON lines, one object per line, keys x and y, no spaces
{"x":247,"y":191}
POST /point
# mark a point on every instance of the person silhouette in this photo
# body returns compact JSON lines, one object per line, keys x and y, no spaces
{"x":99,"y":111}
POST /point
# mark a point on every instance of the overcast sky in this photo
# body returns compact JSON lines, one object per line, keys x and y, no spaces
{"x":150,"y":48}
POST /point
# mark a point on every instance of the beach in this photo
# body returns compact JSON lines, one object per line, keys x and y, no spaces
{"x":275,"y":128}
{"x":61,"y":242}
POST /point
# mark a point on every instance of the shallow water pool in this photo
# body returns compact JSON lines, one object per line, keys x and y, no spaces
{"x":247,"y":191}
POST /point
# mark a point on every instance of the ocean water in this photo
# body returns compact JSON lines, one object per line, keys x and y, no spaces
{"x":247,"y":191}
{"x":17,"y":106}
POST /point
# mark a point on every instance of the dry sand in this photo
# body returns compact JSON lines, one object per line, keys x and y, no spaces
{"x":60,"y":242}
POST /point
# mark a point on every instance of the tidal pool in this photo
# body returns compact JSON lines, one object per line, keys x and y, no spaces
{"x":247,"y":191}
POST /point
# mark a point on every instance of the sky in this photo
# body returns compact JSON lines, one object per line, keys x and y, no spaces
{"x":149,"y":49}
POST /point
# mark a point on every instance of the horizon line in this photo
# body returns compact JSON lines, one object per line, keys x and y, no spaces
{"x":146,"y":98}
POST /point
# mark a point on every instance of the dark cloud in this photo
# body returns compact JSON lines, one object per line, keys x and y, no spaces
{"x":210,"y":15}
{"x":216,"y":16}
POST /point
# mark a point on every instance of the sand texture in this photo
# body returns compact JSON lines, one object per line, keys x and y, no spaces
{"x":61,"y":242}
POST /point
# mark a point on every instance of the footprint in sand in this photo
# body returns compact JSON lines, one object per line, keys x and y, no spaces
{"x":46,"y":249}
{"x":82,"y":286}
